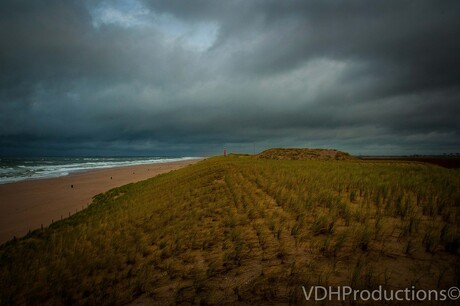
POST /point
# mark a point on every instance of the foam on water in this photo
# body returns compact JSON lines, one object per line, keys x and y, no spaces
{"x":19,"y":169}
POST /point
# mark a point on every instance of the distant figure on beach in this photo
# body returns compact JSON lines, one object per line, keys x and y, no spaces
{"x":225,"y":151}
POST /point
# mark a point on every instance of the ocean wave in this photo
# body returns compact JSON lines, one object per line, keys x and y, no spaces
{"x":14,"y":170}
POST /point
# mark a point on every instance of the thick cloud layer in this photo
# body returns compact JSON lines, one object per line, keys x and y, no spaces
{"x":189,"y":77}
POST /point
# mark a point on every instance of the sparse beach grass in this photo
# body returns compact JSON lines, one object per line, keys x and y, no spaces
{"x":239,"y":229}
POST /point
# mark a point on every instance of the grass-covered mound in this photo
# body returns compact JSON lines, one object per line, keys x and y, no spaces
{"x":241,"y":230}
{"x":304,"y":154}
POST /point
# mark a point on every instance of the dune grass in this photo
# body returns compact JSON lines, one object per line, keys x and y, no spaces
{"x":304,"y":154}
{"x":239,"y":229}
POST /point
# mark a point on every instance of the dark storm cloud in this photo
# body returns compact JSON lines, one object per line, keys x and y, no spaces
{"x":187,"y":77}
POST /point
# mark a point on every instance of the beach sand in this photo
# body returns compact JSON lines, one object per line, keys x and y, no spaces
{"x":28,"y":205}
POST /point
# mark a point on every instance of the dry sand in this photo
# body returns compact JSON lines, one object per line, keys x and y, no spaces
{"x":28,"y":205}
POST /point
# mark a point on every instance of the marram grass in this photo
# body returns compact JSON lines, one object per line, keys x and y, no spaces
{"x":237,"y":229}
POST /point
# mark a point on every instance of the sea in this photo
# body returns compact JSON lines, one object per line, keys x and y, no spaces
{"x":19,"y":169}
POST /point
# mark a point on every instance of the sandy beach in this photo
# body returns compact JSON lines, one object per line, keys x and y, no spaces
{"x":28,"y":205}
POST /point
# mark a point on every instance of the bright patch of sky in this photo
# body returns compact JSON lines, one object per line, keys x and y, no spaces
{"x":128,"y":14}
{"x":122,"y":13}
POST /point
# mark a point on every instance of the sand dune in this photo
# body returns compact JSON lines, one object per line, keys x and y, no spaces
{"x":28,"y":205}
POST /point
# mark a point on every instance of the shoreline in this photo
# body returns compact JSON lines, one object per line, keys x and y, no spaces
{"x":84,"y":168}
{"x":29,"y":204}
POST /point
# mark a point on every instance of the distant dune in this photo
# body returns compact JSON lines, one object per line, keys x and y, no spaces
{"x":304,"y":154}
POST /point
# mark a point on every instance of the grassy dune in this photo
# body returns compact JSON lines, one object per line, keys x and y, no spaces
{"x":304,"y":154}
{"x":241,"y":229}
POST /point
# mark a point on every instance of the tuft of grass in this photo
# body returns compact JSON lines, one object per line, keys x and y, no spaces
{"x":450,"y":238}
{"x":431,"y":239}
{"x":322,"y":225}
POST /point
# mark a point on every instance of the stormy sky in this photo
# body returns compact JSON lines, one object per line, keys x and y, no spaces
{"x":190,"y":77}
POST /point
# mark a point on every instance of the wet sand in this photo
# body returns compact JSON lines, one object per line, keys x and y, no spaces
{"x":28,"y":205}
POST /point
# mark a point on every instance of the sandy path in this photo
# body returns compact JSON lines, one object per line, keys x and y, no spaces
{"x":28,"y":205}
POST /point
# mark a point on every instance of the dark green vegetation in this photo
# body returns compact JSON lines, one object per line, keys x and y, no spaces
{"x":304,"y":154}
{"x":452,"y":162}
{"x":242,"y":229}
